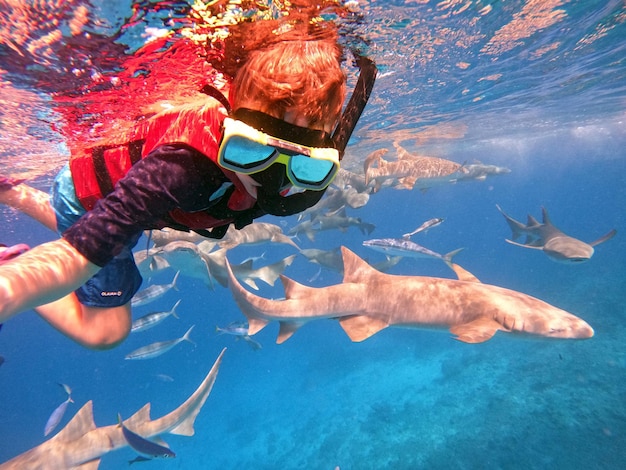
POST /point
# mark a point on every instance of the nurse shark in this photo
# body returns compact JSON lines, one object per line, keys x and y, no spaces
{"x":368,"y":301}
{"x":554,"y":243}
{"x":80,"y":444}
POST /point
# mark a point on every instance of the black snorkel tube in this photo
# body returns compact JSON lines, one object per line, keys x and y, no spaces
{"x":357,"y":102}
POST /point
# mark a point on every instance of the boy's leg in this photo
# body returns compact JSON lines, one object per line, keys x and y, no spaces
{"x":32,"y":202}
{"x":92,"y":327}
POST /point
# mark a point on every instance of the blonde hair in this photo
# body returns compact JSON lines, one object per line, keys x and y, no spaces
{"x":300,"y":75}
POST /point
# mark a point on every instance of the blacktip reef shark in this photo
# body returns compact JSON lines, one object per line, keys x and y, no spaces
{"x":368,"y":301}
{"x":554,"y":243}
{"x":80,"y":444}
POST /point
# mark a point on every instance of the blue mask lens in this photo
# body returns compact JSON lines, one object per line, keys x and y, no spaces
{"x":245,"y":153}
{"x":309,"y":170}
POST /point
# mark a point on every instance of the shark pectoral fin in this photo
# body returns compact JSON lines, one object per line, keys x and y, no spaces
{"x":286,"y":330}
{"x":524,"y":245}
{"x":477,"y":331}
{"x":361,"y":327}
{"x":606,"y":237}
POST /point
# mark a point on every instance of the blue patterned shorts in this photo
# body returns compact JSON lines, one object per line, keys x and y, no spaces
{"x":117,"y":282}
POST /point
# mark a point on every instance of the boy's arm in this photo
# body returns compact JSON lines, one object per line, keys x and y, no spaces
{"x":41,"y":275}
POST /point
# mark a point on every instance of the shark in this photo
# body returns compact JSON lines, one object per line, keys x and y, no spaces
{"x":552,"y":241}
{"x":255,"y":234}
{"x":368,"y":301}
{"x":80,"y":444}
{"x":407,"y":170}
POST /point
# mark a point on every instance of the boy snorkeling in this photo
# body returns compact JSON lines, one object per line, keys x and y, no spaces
{"x":201,"y":166}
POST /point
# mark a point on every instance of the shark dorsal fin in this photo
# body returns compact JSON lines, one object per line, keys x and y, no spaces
{"x":140,"y":417}
{"x":79,"y":425}
{"x":532,"y":222}
{"x":355,"y":269}
{"x":463,"y":274}
{"x":295,"y":290}
{"x":546,"y":217}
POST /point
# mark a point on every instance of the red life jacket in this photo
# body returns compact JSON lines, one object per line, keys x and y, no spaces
{"x":95,"y":170}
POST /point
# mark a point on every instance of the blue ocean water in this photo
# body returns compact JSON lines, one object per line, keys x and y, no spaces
{"x":537,"y":87}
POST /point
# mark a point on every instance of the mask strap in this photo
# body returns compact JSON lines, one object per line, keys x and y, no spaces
{"x":213,"y":92}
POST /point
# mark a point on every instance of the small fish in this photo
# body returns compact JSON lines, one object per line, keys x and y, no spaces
{"x":144,"y":446}
{"x":239,"y":330}
{"x":152,"y":319}
{"x":139,"y":458}
{"x":234,"y":329}
{"x":153,"y":292}
{"x":425,"y":226}
{"x":57,"y":414}
{"x":164,"y":378}
{"x":158,"y":348}
{"x":253,"y":344}
{"x":407,"y":248}
{"x":1,"y":360}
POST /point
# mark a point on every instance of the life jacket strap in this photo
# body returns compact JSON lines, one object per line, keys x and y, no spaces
{"x":103,"y":176}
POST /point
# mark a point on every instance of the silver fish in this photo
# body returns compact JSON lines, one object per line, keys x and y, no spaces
{"x":152,"y":319}
{"x":425,"y":226}
{"x":407,"y":248}
{"x":233,"y":329}
{"x":57,"y":415}
{"x":239,"y":330}
{"x":158,"y":348}
{"x":153,"y":292}
{"x":142,"y":445}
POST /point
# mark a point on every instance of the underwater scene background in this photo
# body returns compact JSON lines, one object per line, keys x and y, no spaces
{"x":537,"y":87}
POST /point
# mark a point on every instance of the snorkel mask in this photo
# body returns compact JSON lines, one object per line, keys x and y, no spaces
{"x":253,"y":141}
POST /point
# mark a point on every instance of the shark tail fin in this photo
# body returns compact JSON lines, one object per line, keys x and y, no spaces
{"x":517,"y":228}
{"x":192,"y":406}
